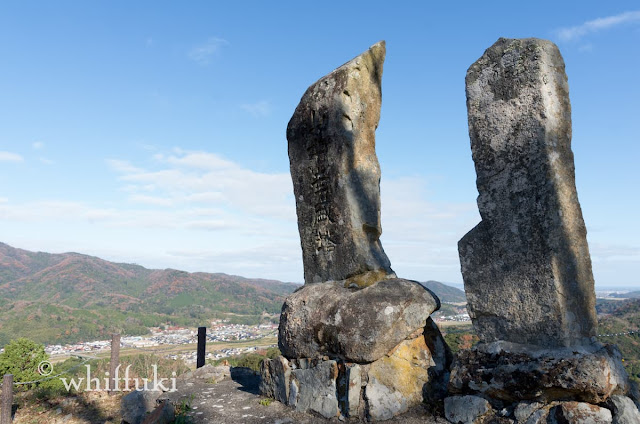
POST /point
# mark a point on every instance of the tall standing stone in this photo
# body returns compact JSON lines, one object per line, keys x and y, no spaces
{"x":526,"y":265}
{"x":336,"y":175}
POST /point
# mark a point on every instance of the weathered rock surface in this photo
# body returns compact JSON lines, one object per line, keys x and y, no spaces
{"x":314,"y":389}
{"x":467,"y":409}
{"x":526,"y":266}
{"x":275,"y":379}
{"x":357,"y":325}
{"x":404,"y":378}
{"x":210,"y":372}
{"x":580,"y":413}
{"x":336,"y":175}
{"x":164,"y":413}
{"x":524,"y":410}
{"x":135,"y":406}
{"x":513,"y":374}
{"x":624,"y":410}
{"x":396,"y":380}
{"x":350,"y":388}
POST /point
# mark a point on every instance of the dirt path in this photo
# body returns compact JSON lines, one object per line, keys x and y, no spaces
{"x":236,"y":401}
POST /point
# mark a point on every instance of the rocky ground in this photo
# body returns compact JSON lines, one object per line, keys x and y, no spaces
{"x":236,"y":400}
{"x":83,"y":408}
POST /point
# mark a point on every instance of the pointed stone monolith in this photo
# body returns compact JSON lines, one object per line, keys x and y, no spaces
{"x":336,"y":175}
{"x":526,"y":266}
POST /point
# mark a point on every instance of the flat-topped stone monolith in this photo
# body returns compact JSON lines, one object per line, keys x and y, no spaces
{"x":336,"y":175}
{"x":526,"y":266}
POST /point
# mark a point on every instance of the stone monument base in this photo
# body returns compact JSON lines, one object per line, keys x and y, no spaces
{"x":414,"y":371}
{"x":525,"y":384}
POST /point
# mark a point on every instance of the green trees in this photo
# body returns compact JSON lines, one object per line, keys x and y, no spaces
{"x":21,"y":358}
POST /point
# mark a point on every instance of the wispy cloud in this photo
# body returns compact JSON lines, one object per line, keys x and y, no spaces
{"x":122,"y":166}
{"x":578,"y":31}
{"x":204,"y":53}
{"x":258,"y":109}
{"x":10,"y":157}
{"x":201,"y":178}
{"x":586,"y":47}
{"x":46,"y":161}
{"x":197,"y":210}
{"x":420,"y":236}
{"x":614,"y":253}
{"x":38,"y":145}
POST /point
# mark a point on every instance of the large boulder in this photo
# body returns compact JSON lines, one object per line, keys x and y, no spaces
{"x":357,"y":325}
{"x":135,"y":406}
{"x":624,"y":410}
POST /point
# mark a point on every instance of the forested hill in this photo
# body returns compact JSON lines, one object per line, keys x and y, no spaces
{"x":445,"y":292}
{"x":53,"y":298}
{"x":619,"y":323}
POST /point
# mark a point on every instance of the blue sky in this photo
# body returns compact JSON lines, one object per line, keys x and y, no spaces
{"x":154,"y":132}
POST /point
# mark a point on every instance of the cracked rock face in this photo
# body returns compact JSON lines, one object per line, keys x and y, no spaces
{"x":336,"y":175}
{"x":526,"y":266}
{"x":515,"y":375}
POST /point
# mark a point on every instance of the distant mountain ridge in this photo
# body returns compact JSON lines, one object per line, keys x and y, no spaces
{"x":71,"y":297}
{"x":627,"y":295}
{"x":445,"y":293}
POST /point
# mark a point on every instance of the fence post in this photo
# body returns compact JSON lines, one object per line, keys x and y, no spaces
{"x":7,"y":399}
{"x":115,"y":362}
{"x":202,"y":346}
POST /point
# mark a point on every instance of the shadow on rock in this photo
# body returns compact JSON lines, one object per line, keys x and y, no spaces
{"x":248,"y":379}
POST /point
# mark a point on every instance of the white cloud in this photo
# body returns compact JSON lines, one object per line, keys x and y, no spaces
{"x":419,"y":236}
{"x":586,"y":47}
{"x":10,"y":157}
{"x":46,"y":161}
{"x":204,"y":177}
{"x":199,"y":211}
{"x":38,"y":145}
{"x":209,"y":225}
{"x":204,"y":53}
{"x":198,"y":160}
{"x":280,"y":257}
{"x":601,"y":252}
{"x":576,"y":32}
{"x":122,"y":166}
{"x":258,"y":109}
{"x":151,"y":200}
{"x":203,"y":191}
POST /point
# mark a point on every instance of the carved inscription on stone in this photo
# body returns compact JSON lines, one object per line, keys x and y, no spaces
{"x":320,"y":185}
{"x":336,"y":175}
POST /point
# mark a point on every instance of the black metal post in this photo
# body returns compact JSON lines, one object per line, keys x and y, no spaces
{"x":202,"y":346}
